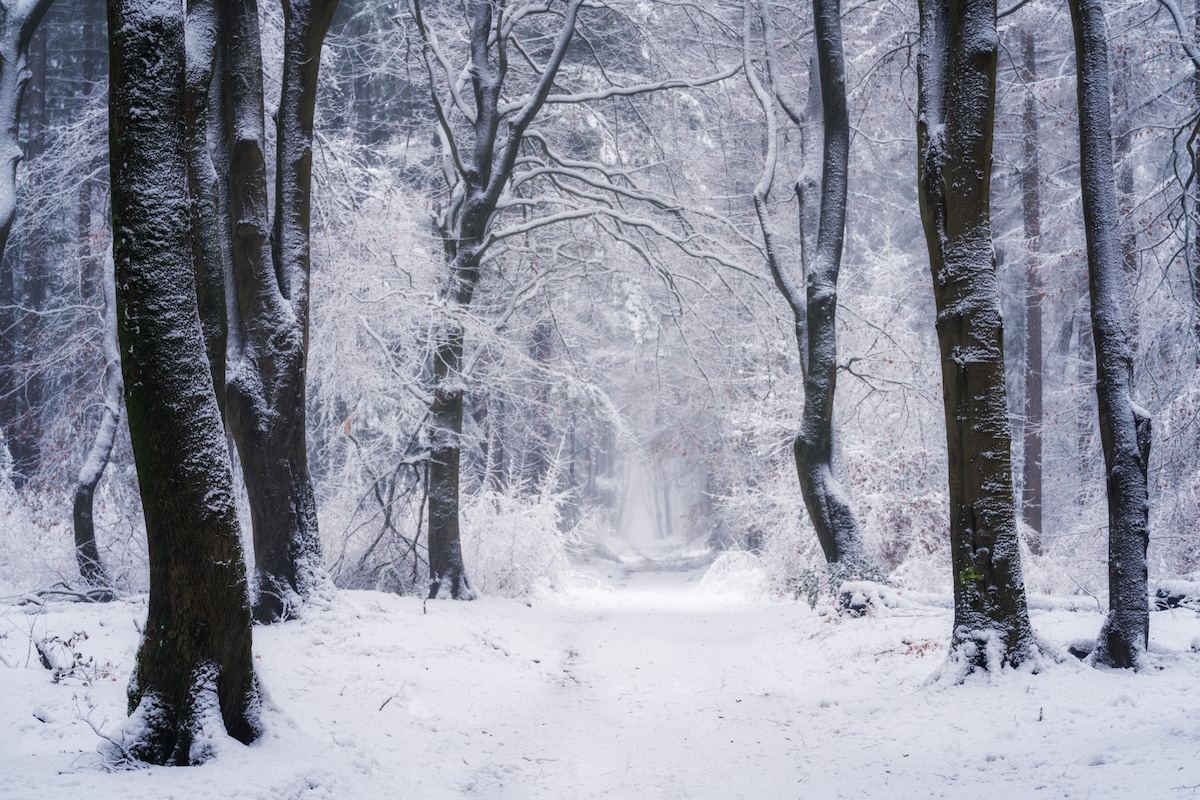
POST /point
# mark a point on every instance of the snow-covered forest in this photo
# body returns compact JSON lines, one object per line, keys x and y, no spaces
{"x":785,"y":385}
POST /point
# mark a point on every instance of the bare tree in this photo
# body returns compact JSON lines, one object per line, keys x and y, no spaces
{"x":956,"y":74}
{"x":194,"y":665}
{"x":494,"y":161}
{"x":814,"y":307}
{"x":86,"y":551}
{"x":1124,"y":425}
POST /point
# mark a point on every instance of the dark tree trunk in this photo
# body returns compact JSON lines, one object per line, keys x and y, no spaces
{"x":835,"y":523}
{"x":194,"y":672}
{"x":86,"y":551}
{"x":269,"y":330}
{"x":209,"y":243}
{"x":1123,"y":155}
{"x":1124,"y":426}
{"x":1031,"y":211}
{"x":18,"y":21}
{"x":446,"y":568}
{"x":814,"y":314}
{"x":956,"y":73}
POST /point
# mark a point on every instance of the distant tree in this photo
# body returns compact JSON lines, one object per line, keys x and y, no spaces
{"x":194,"y":674}
{"x":87,"y":553}
{"x":1124,"y":425}
{"x":956,"y":86}
{"x":18,"y":21}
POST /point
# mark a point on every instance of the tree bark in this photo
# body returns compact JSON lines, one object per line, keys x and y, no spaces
{"x":956,"y":78}
{"x":814,"y":314}
{"x":87,"y":554}
{"x":834,"y":521}
{"x":1031,"y":212}
{"x":1124,"y":426}
{"x":194,"y":674}
{"x":209,"y":240}
{"x":269,"y":328}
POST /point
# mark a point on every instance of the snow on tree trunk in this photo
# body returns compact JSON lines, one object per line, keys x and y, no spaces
{"x":956,"y":73}
{"x":208,"y":248}
{"x":268,"y":337}
{"x":86,"y":552}
{"x":477,"y":175}
{"x":815,"y":314}
{"x":1124,"y":426}
{"x":194,"y":667}
{"x":835,"y":523}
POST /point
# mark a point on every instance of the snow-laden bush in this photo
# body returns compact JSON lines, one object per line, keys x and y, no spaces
{"x":736,"y":573}
{"x":512,"y":544}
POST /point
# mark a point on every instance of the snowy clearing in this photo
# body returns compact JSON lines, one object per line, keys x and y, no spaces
{"x":631,"y":685}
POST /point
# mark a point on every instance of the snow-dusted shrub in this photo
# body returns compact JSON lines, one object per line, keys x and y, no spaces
{"x":737,"y":573}
{"x":512,"y":545}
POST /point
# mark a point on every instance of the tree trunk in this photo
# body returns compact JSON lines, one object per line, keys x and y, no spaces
{"x":814,"y":315}
{"x":86,"y":552}
{"x":956,"y":79}
{"x":1031,"y":208}
{"x":209,"y":243}
{"x":18,"y":20}
{"x":446,"y":568}
{"x":194,"y":675}
{"x":1124,"y":426}
{"x":269,"y":330}
{"x":475,"y":189}
{"x":835,"y":523}
{"x":1123,"y":155}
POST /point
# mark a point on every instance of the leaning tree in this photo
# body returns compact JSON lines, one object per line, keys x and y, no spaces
{"x":812,"y":295}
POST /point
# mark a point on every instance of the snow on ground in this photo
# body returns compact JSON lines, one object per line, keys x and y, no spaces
{"x":638,"y":685}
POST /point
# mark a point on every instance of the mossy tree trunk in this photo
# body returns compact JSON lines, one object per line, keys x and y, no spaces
{"x":956,"y":74}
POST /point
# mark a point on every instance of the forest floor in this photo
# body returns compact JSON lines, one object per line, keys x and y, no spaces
{"x":638,"y":684}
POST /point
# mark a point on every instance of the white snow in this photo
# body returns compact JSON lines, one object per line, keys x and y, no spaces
{"x":630,"y":685}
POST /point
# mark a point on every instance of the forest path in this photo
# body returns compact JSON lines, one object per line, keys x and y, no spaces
{"x":633,"y":685}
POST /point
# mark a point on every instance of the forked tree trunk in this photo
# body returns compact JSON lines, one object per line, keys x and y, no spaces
{"x":194,"y":677}
{"x":956,"y":84}
{"x":269,"y":327}
{"x":1124,"y":426}
{"x":1031,"y":212}
{"x":834,"y":521}
{"x":87,"y":553}
{"x":814,"y":312}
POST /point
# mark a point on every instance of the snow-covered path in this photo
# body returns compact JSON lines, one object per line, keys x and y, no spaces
{"x":641,"y":686}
